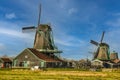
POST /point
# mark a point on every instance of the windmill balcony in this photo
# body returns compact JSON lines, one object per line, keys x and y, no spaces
{"x":49,"y":51}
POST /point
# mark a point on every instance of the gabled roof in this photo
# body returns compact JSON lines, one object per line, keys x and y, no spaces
{"x":43,"y":56}
{"x":6,"y":60}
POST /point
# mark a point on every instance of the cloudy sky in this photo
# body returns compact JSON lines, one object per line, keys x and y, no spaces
{"x":74,"y":24}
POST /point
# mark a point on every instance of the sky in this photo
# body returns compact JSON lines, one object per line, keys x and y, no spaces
{"x":74,"y":24}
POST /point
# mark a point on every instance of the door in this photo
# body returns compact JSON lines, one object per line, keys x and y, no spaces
{"x":25,"y":64}
{"x":42,"y":64}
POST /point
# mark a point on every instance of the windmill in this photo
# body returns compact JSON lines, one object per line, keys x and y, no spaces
{"x":43,"y":41}
{"x":102,"y":52}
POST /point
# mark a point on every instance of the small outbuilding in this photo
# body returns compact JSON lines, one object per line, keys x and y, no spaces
{"x":102,"y":63}
{"x":116,"y":63}
{"x":5,"y":62}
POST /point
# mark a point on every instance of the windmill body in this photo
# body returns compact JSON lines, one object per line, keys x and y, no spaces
{"x":102,"y":52}
{"x":43,"y":38}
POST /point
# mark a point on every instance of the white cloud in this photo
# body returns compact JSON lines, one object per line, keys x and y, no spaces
{"x":13,"y":33}
{"x":10,"y":15}
{"x":7,"y":24}
{"x":69,"y":43}
{"x":68,"y":40}
{"x":72,"y":11}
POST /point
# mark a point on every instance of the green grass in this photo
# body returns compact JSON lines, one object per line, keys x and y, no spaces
{"x":57,"y":74}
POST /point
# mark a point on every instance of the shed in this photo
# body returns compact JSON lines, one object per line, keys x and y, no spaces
{"x":5,"y":62}
{"x":97,"y":63}
{"x":104,"y":63}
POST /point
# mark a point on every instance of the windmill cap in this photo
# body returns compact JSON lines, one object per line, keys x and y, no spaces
{"x":44,"y":27}
{"x":104,"y":44}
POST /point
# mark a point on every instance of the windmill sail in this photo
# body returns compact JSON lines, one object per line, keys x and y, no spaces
{"x":94,"y":42}
{"x":102,"y":36}
{"x":38,"y":25}
{"x":28,"y":29}
{"x":96,"y":53}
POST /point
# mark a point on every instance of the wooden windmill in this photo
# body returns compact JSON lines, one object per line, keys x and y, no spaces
{"x":102,"y":52}
{"x":43,"y":41}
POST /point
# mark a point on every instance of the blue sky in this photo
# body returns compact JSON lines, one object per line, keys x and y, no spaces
{"x":74,"y":24}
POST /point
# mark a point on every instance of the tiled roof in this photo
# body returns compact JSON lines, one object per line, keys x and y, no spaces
{"x":6,"y":59}
{"x":116,"y":61}
{"x":43,"y":56}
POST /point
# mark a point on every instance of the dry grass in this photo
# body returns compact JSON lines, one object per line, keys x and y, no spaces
{"x":57,"y":75}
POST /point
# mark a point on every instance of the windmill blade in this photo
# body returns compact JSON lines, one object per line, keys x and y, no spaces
{"x":28,"y":29}
{"x":102,"y":36}
{"x":93,"y":54}
{"x":39,"y":16}
{"x":38,"y":23}
{"x":31,"y":27}
{"x":96,"y":53}
{"x":94,"y":42}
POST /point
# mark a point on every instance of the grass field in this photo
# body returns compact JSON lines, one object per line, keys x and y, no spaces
{"x":57,"y":74}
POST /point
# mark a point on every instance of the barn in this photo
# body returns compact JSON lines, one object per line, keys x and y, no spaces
{"x":32,"y":57}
